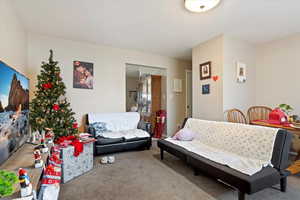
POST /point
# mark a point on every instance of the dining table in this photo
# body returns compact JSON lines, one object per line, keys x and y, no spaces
{"x":294,"y":168}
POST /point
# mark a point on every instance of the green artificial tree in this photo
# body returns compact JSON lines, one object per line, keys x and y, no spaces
{"x":7,"y":182}
{"x":49,"y":110}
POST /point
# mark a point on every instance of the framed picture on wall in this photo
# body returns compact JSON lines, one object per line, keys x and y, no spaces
{"x":206,"y":89}
{"x":83,"y":75}
{"x":241,"y":72}
{"x":205,"y":71}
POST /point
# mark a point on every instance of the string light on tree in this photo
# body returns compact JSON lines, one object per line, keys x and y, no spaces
{"x":50,"y":109}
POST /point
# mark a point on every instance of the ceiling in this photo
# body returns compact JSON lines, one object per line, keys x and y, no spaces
{"x":162,"y":27}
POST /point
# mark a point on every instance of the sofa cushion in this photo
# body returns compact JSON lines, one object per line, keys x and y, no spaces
{"x":99,"y":128}
{"x":184,"y":134}
{"x":136,"y":139}
{"x":218,"y":141}
{"x":105,"y":141}
{"x":127,"y":134}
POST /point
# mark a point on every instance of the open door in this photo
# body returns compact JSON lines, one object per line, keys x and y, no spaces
{"x":189,"y":96}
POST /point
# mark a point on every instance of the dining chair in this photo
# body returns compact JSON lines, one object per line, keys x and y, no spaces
{"x":235,"y":116}
{"x":258,"y":113}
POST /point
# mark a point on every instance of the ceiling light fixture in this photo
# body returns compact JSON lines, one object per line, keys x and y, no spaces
{"x":200,"y":5}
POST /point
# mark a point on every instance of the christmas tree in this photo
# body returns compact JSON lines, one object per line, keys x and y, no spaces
{"x":49,"y":110}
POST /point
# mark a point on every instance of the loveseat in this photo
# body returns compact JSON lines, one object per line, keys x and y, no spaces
{"x":267,"y":176}
{"x":116,"y":132}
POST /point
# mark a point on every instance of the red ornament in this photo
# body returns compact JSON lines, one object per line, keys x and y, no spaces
{"x":75,"y":125}
{"x":47,"y":85}
{"x":55,"y":107}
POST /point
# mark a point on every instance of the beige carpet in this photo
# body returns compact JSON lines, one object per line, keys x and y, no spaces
{"x":141,"y":175}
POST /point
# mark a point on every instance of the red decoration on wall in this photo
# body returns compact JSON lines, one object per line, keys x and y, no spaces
{"x":215,"y":78}
{"x":55,"y":107}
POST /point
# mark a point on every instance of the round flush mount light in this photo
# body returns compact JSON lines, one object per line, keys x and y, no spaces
{"x":200,"y":5}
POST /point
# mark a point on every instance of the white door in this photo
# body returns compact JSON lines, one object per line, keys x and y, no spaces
{"x":189,"y":89}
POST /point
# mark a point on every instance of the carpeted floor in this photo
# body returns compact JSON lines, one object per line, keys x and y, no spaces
{"x":140,"y":175}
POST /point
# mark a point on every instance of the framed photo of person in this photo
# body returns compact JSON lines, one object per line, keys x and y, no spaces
{"x":205,"y":71}
{"x":83,"y":75}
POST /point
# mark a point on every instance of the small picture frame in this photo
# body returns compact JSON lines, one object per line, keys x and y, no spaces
{"x":205,"y":70}
{"x":241,"y":72}
{"x":206,"y":89}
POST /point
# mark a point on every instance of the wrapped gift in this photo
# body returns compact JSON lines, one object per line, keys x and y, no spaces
{"x":75,"y":164}
{"x":49,"y":192}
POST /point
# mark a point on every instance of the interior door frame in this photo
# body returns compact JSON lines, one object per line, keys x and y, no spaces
{"x":186,"y":89}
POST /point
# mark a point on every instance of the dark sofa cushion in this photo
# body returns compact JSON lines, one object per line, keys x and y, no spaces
{"x":267,"y":177}
{"x":136,"y":139}
{"x":280,"y":157}
{"x":249,"y":184}
{"x":105,"y":141}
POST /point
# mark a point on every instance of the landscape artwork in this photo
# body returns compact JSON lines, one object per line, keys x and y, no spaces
{"x":14,"y":110}
{"x":83,"y":75}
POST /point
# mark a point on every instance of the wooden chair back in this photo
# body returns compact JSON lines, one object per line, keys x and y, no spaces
{"x":235,"y":116}
{"x":258,"y":113}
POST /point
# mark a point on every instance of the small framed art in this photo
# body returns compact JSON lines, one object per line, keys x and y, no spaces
{"x":241,"y":72}
{"x":205,"y":71}
{"x":206,"y":89}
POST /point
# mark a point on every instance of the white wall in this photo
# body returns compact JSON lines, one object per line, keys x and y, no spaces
{"x":209,"y":106}
{"x":238,"y":95}
{"x":13,"y":38}
{"x":278,"y":70}
{"x":223,"y":51}
{"x":109,"y":93}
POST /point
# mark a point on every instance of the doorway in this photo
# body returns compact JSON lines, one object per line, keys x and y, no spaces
{"x":189,"y":93}
{"x":146,"y":93}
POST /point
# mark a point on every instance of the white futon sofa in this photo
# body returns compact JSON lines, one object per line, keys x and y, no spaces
{"x":249,"y":158}
{"x":117,"y":132}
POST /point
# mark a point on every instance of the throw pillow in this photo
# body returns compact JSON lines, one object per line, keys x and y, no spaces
{"x":100,"y":127}
{"x":184,"y":135}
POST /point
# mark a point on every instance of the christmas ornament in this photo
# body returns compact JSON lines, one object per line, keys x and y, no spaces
{"x":52,"y":175}
{"x":26,"y":187}
{"x":47,"y":105}
{"x":42,"y":147}
{"x":47,"y":85}
{"x":49,"y":135}
{"x":55,"y":150}
{"x":75,"y":125}
{"x":55,"y":107}
{"x":38,"y":162}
